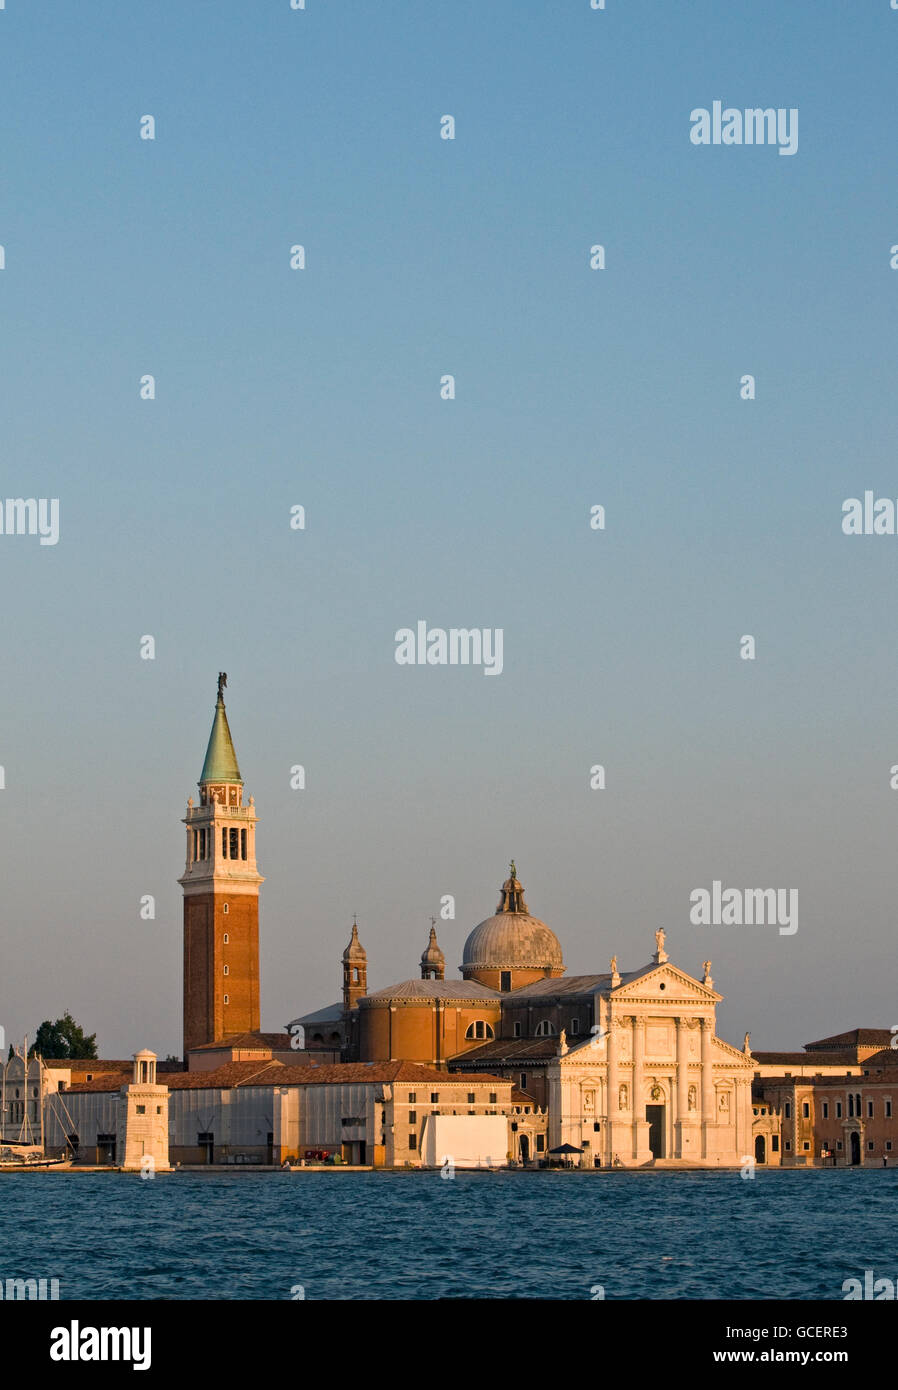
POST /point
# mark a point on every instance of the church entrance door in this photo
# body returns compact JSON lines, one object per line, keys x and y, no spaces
{"x":760,"y":1149}
{"x":655,"y":1116}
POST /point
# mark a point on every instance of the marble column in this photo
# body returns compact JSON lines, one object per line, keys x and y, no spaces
{"x":682,"y":1110}
{"x":708,"y":1115}
{"x":637,"y":1051}
{"x":611,"y":1092}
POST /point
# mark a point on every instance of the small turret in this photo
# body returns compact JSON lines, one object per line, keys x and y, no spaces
{"x":355,"y":970}
{"x":433,"y":962}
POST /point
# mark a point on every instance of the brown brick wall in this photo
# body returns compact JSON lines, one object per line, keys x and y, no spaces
{"x":206,"y":1016}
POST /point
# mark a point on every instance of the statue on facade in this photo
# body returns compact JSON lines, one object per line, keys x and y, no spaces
{"x":222,"y":681}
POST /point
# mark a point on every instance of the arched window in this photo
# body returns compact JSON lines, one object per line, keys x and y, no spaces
{"x":544,"y":1029}
{"x":480,"y":1029}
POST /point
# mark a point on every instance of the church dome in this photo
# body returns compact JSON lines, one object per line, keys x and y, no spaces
{"x":512,"y":939}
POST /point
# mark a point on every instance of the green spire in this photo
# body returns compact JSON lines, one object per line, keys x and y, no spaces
{"x":221,"y":760}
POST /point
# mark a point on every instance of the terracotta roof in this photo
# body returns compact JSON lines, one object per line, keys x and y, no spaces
{"x":563,"y":985}
{"x":262,"y":1073}
{"x":856,"y":1037}
{"x":509,"y":1051}
{"x":805,"y":1059}
{"x":276,"y":1041}
{"x":887,"y":1058}
{"x":433,"y":989}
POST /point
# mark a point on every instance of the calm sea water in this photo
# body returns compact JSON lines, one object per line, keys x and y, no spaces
{"x":792,"y":1235}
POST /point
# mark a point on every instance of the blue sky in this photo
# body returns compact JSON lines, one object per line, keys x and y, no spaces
{"x":574,"y":387}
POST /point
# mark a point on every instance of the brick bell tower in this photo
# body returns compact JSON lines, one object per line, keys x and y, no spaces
{"x":221,"y":898}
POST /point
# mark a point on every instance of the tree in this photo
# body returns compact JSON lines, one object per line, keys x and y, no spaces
{"x":63,"y":1039}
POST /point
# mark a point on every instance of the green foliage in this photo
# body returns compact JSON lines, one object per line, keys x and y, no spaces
{"x":62,"y":1039}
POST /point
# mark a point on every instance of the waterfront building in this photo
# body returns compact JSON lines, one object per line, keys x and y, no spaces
{"x":247,"y":1113}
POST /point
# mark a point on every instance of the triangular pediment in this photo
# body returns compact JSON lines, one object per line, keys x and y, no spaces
{"x":664,"y":984}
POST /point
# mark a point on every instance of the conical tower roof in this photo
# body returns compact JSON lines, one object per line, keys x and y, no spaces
{"x":221,"y":760}
{"x":432,"y":953}
{"x":355,"y":950}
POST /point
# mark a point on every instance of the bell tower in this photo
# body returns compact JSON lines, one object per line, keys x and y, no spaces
{"x":221,"y":898}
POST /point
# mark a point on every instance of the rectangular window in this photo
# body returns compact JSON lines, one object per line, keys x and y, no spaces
{"x":224,"y":842}
{"x":492,"y":1097}
{"x":806,"y":1144}
{"x":838,"y":1110}
{"x":889,"y":1145}
{"x":540,"y":1143}
{"x":412,"y":1097}
{"x":141,"y":1109}
{"x":775,"y":1143}
{"x":413,"y":1141}
{"x":826,"y":1110}
{"x":869,"y":1143}
{"x":575,"y":1025}
{"x":434,"y":1097}
{"x":471,"y":1097}
{"x":517,"y":1030}
{"x":243,"y":844}
{"x":235,"y":843}
{"x":888,"y":1105}
{"x":869,"y":1110}
{"x":806,"y":1110}
{"x":788,"y":1145}
{"x":787,"y":1109}
{"x":505,"y":981}
{"x":523,"y":1080}
{"x":413,"y":1117}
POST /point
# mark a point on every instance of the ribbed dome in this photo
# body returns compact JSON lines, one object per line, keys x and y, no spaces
{"x":511,"y":939}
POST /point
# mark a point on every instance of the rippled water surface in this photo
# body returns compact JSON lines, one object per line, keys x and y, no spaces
{"x":415,"y":1235}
